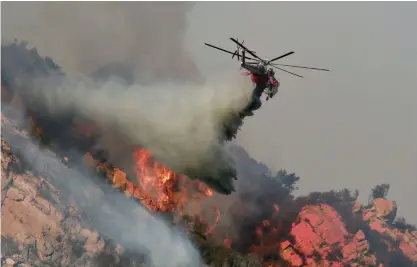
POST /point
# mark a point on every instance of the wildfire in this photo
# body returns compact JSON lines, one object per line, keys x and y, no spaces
{"x":155,"y":180}
{"x":161,"y":189}
{"x":160,"y":184}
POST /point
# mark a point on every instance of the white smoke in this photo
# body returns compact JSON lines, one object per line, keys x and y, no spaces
{"x":179,"y":123}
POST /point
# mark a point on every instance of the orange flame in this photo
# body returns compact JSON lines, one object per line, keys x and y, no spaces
{"x":158,"y":182}
{"x":155,"y":180}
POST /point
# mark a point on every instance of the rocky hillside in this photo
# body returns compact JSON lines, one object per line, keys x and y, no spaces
{"x":41,"y":226}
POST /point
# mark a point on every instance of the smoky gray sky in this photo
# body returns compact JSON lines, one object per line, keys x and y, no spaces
{"x":353,"y":127}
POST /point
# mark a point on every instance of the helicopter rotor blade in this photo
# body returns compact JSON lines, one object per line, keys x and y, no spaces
{"x":236,"y":53}
{"x":285,"y":55}
{"x":295,"y":66}
{"x":256,"y":59}
{"x":224,"y":50}
{"x":247,"y":50}
{"x":288,"y":72}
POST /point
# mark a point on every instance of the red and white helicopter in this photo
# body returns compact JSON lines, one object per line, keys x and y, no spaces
{"x":262,"y":76}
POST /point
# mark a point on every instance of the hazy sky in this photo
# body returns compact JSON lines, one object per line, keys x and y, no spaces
{"x":353,"y":127}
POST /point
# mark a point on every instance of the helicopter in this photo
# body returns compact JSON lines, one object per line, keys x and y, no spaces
{"x":257,"y":67}
{"x":262,"y":76}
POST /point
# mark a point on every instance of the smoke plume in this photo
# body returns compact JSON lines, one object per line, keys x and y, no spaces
{"x":165,"y":109}
{"x":178,"y":123}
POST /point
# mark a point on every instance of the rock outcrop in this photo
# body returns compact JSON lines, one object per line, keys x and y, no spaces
{"x":41,"y":228}
{"x":319,"y":237}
